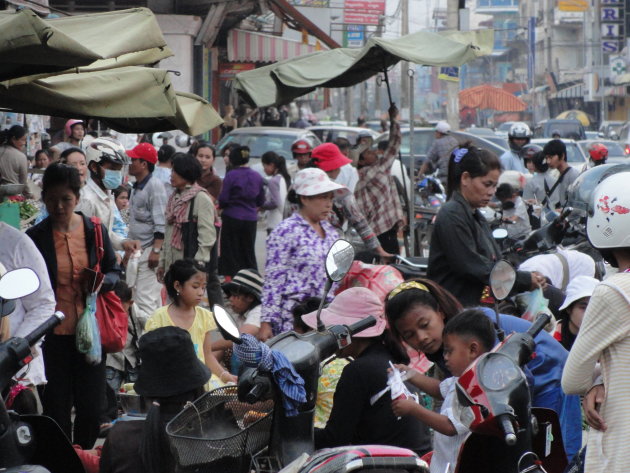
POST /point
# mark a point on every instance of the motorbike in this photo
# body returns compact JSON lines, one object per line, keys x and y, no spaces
{"x":430,"y":196}
{"x":495,"y":402}
{"x":28,"y":443}
{"x":274,"y":439}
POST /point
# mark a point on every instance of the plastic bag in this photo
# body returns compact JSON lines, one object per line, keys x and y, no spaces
{"x":88,"y":338}
{"x":539,"y":304}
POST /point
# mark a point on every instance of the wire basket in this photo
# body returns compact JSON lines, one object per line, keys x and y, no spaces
{"x":220,"y":432}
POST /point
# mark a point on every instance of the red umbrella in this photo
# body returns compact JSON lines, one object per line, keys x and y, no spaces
{"x":489,"y":97}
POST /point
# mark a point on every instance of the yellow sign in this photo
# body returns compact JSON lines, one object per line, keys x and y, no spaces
{"x":573,"y":5}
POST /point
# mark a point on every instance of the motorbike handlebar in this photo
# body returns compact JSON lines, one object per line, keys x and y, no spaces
{"x":361,"y":325}
{"x":542,"y":320}
{"x":508,"y":429}
{"x":44,"y":328}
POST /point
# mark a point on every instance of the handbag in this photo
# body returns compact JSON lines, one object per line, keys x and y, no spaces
{"x":110,"y":313}
{"x":190,"y":233}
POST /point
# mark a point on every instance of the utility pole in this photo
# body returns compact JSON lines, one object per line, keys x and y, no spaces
{"x":404,"y":65}
{"x":377,"y":83}
{"x":452,"y":88}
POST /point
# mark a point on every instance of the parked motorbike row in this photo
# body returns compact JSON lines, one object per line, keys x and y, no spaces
{"x":257,"y":434}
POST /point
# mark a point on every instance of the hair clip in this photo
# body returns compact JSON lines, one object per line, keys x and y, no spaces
{"x":459,"y":154}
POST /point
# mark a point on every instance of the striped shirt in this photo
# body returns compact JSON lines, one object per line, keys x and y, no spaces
{"x":376,"y":192}
{"x":605,"y":336}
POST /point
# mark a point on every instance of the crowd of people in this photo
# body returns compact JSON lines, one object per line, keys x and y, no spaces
{"x":177,"y":239}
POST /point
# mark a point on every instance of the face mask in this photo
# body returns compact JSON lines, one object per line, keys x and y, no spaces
{"x":112,"y":179}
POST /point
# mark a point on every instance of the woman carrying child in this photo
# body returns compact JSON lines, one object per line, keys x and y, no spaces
{"x":466,"y":337}
{"x":185,"y":283}
{"x":417,"y":312}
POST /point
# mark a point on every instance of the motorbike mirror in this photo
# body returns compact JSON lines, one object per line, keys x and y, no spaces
{"x":18,"y":283}
{"x":502,"y":279}
{"x":499,"y":233}
{"x":339,"y":260}
{"x":226,"y":324}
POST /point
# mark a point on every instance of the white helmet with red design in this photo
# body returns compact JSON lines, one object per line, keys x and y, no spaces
{"x":608,"y":224}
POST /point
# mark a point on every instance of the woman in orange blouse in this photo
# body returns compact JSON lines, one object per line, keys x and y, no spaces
{"x":66,"y":241}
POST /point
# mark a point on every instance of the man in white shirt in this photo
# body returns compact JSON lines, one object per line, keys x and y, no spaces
{"x":105,"y":159}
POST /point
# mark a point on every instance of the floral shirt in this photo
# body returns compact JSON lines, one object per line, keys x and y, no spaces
{"x":294,"y":269}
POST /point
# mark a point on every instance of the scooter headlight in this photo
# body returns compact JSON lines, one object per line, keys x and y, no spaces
{"x":497,"y":371}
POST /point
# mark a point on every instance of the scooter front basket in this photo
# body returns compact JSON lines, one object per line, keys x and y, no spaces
{"x":219,"y":433}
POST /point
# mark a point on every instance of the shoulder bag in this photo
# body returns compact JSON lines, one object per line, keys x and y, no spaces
{"x":110,"y":313}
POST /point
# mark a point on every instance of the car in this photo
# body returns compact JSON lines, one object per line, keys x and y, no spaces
{"x":575,"y":156}
{"x":480,"y":131}
{"x":568,"y":128}
{"x":261,"y":139}
{"x":611,"y":128}
{"x":503,"y":129}
{"x":423,"y":139}
{"x":616,"y":154}
{"x":624,"y":137}
{"x":329,"y":133}
{"x":592,"y":135}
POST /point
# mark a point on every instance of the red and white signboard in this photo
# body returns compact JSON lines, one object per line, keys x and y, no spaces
{"x":363,"y":12}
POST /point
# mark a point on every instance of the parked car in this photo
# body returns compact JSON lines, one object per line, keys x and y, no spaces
{"x":624,"y":137}
{"x":423,"y":139}
{"x":327,"y":133}
{"x":569,"y":129}
{"x":503,"y":129}
{"x":576,"y":157}
{"x":611,"y":129}
{"x":261,"y":139}
{"x":616,"y":154}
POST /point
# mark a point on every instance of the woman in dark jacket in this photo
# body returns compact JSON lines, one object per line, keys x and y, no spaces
{"x":462,"y":251}
{"x":66,"y":240}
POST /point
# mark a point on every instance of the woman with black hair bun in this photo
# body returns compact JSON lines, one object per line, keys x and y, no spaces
{"x":13,"y":161}
{"x":463,"y":251}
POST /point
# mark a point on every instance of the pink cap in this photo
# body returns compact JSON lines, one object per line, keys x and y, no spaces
{"x":350,"y":306}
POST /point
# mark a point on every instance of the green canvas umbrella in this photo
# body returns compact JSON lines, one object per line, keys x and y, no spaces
{"x":32,"y":46}
{"x":284,"y":81}
{"x":139,"y":99}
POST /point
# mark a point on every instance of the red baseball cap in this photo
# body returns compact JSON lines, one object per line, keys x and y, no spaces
{"x":327,"y":157}
{"x":144,"y":151}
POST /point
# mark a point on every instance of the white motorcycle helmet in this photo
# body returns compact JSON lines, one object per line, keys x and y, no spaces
{"x":519,"y":130}
{"x":106,"y":149}
{"x":608,"y":224}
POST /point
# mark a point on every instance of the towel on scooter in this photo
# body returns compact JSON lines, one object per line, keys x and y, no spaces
{"x":255,"y":354}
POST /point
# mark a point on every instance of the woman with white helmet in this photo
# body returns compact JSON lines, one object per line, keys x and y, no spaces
{"x":518,"y":136}
{"x":604,"y":334}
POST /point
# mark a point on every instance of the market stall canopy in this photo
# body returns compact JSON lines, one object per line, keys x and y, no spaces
{"x":139,"y":99}
{"x":284,"y":81}
{"x":30,"y":45}
{"x":579,"y":115}
{"x":487,"y":97}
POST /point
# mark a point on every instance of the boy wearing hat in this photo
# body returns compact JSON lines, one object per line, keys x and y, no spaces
{"x":244,"y":292}
{"x":440,"y":151}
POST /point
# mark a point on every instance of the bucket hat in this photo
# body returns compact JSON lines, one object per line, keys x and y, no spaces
{"x":328,"y":157}
{"x":246,"y":280}
{"x":578,"y":288}
{"x":314,"y":181}
{"x":169,"y":364}
{"x":350,"y":306}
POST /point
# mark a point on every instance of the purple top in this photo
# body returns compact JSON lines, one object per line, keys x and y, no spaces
{"x":295,"y":269}
{"x":242,"y":193}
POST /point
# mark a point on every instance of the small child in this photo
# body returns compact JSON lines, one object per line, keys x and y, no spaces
{"x":579,"y":292}
{"x":243,"y":292}
{"x":514,"y":211}
{"x":466,"y":337}
{"x":185,"y":283}
{"x":278,"y":184}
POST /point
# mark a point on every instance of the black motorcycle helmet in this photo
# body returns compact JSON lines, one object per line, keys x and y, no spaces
{"x":534,"y":154}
